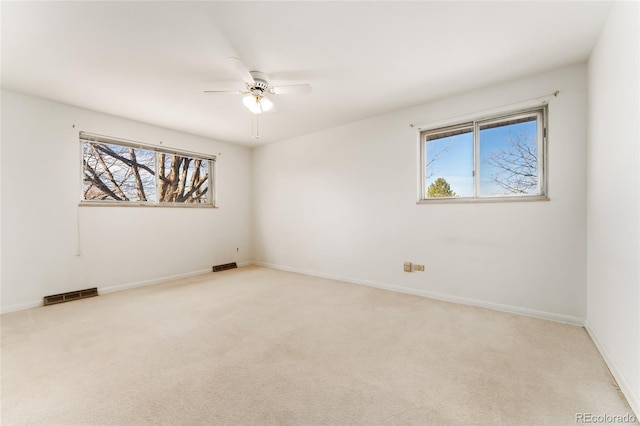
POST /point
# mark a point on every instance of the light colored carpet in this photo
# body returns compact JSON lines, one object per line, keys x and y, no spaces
{"x":258,"y":346}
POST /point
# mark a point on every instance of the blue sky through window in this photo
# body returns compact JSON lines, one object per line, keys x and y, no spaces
{"x":451,"y":158}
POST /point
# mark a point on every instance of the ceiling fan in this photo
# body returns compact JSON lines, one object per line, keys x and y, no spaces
{"x":257,"y":87}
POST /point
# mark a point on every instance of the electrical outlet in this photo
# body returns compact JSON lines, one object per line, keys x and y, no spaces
{"x":419,"y":267}
{"x":407,"y":266}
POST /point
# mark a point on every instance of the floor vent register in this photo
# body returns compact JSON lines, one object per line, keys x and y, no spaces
{"x":224,"y":267}
{"x":69,"y":296}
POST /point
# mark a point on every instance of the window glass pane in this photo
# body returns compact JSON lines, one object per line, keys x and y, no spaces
{"x":449,"y":164}
{"x":114,"y":172}
{"x":183,"y":179}
{"x":128,"y":172}
{"x":509,"y":157}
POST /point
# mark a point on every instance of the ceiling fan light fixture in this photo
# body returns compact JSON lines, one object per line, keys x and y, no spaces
{"x":265,"y":103}
{"x":257,"y":103}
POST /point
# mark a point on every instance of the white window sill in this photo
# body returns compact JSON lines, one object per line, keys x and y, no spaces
{"x":484,"y":199}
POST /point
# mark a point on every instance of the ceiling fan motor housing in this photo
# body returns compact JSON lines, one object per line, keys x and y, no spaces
{"x":260,"y":86}
{"x":260,"y":83}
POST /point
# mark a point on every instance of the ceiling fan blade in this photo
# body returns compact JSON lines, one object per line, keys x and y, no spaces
{"x":293,"y":88}
{"x":242,"y":70}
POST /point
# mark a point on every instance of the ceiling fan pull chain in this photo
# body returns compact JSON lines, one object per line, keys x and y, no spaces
{"x":255,"y":126}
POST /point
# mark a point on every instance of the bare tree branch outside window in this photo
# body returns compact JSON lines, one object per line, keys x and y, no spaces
{"x":433,"y":158}
{"x":182,"y":179}
{"x":515,"y":169}
{"x":122,"y":173}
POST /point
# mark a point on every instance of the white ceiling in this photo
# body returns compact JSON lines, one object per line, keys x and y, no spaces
{"x":150,"y":61}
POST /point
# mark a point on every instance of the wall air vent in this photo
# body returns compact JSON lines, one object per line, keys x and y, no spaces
{"x":224,"y":267}
{"x":72,"y":295}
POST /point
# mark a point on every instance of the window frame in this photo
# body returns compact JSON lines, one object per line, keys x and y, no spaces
{"x":211,"y":161}
{"x":475,"y":124}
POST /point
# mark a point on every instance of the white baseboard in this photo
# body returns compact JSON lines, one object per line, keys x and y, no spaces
{"x":121,"y":287}
{"x":632,"y":396}
{"x":112,"y":289}
{"x":21,"y":306}
{"x":433,"y":295}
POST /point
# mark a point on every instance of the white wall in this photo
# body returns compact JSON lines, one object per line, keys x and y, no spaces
{"x":342,"y":203}
{"x":613,"y":208}
{"x":43,"y":227}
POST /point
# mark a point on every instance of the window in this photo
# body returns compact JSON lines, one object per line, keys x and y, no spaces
{"x":496,"y":158}
{"x":122,"y":172}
